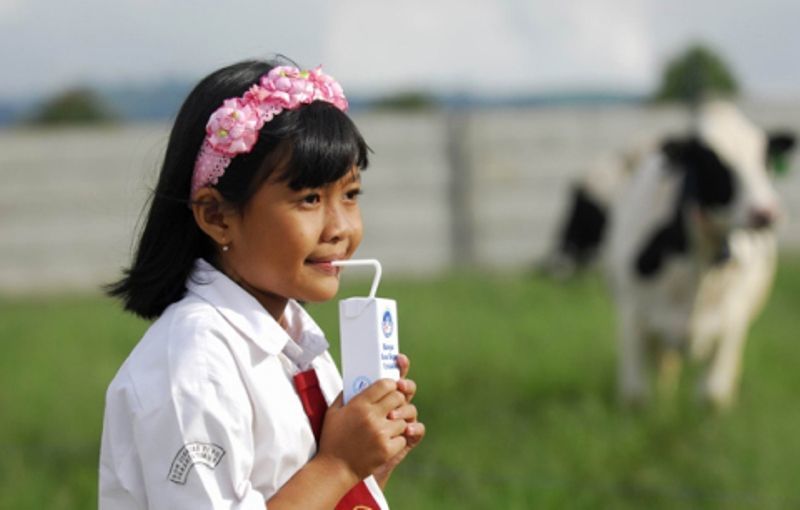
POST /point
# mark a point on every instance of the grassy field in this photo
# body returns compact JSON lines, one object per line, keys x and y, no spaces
{"x":516,"y":387}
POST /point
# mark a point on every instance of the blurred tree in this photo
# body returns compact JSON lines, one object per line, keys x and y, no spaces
{"x":75,"y":106}
{"x":696,"y":74}
{"x":412,"y":100}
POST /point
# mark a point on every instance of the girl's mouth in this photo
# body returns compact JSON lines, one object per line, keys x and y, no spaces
{"x":324,"y":266}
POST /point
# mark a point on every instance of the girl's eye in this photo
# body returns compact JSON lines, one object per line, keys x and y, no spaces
{"x":353,"y":194}
{"x":311,"y":199}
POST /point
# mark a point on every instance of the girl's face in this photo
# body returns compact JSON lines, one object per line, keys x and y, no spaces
{"x":283,"y":242}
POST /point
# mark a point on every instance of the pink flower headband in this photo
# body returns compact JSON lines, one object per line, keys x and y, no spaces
{"x":233,"y":128}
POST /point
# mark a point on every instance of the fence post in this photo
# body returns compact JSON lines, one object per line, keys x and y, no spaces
{"x":460,"y":188}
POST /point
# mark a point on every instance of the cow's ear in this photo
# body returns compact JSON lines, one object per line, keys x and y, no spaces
{"x":680,"y":152}
{"x":780,"y":145}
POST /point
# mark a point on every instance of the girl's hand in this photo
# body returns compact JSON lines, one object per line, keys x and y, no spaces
{"x":356,"y":439}
{"x":364,"y":434}
{"x":415,"y":430}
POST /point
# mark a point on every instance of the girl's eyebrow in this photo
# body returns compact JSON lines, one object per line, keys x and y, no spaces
{"x":356,"y":175}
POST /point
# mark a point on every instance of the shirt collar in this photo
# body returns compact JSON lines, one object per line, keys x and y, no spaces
{"x":248,"y":317}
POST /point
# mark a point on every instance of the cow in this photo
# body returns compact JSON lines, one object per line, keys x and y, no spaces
{"x":580,"y":240}
{"x":691,"y":254}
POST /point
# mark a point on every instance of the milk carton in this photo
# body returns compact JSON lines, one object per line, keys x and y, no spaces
{"x":368,"y":335}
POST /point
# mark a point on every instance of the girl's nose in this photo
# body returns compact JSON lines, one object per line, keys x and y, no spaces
{"x":340,"y":223}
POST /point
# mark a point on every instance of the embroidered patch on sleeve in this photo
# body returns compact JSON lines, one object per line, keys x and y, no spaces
{"x":207,"y":454}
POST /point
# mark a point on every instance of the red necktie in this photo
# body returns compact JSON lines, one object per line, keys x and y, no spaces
{"x":307,"y":386}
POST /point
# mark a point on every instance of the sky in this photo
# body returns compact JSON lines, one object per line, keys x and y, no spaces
{"x":491,"y":47}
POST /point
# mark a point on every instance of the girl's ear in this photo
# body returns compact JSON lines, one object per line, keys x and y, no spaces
{"x":212,"y":215}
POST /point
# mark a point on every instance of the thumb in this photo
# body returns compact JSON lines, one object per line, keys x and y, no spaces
{"x":403,"y":364}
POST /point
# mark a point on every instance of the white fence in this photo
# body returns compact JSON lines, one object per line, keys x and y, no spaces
{"x":483,"y":188}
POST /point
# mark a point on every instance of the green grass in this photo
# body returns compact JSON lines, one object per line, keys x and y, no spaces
{"x":516,"y":378}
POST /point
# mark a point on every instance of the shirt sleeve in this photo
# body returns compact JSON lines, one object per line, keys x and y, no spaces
{"x":196,"y":449}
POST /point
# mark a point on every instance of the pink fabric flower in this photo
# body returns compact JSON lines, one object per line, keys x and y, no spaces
{"x":234,"y":127}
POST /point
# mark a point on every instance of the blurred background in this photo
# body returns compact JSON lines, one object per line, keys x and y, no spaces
{"x":480,"y":114}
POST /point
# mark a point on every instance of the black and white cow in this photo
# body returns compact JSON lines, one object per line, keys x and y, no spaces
{"x":691,"y":253}
{"x":581,"y":236}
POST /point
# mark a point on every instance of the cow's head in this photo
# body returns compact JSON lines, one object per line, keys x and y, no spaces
{"x":727,"y":169}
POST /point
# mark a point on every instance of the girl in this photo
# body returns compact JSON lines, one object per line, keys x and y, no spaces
{"x":218,"y":406}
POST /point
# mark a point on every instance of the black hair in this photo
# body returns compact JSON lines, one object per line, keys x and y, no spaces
{"x":313,"y":145}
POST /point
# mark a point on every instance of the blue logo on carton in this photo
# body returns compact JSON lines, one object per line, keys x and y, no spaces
{"x":360,"y":384}
{"x":387,"y":324}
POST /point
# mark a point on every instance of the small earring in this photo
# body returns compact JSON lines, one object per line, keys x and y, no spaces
{"x":225,"y":247}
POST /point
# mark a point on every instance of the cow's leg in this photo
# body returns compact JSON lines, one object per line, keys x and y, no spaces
{"x":753,"y":276}
{"x":631,"y":375}
{"x":722,"y":379}
{"x":670,"y":362}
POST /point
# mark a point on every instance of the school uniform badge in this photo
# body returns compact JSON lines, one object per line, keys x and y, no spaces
{"x":207,"y":454}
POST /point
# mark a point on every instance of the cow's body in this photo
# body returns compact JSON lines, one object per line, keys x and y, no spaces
{"x":581,"y":238}
{"x":689,"y":251}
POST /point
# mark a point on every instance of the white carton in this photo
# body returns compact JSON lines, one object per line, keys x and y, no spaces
{"x":369,"y":337}
{"x":368,"y":332}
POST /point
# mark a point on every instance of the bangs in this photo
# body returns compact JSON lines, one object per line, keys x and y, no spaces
{"x":325,"y":147}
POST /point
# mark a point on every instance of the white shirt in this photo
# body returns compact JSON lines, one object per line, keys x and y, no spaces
{"x":203,"y":414}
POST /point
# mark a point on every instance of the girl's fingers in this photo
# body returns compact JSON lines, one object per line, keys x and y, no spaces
{"x":390,"y":402}
{"x":408,"y":387}
{"x":403,"y":363}
{"x":406,"y":412}
{"x":414,"y":433}
{"x":396,"y":428}
{"x":396,"y":445}
{"x":377,"y":391}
